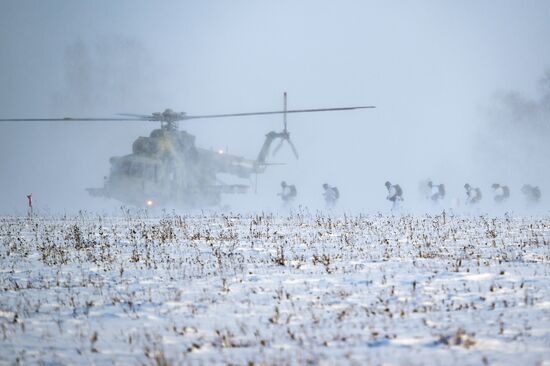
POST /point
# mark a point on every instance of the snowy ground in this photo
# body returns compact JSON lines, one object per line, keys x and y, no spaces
{"x":305,"y":288}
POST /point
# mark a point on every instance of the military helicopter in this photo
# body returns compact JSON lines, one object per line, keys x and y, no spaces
{"x":168,"y":169}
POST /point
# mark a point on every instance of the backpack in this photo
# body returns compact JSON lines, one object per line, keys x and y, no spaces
{"x":336,"y":192}
{"x":478,"y":194}
{"x":398,"y":190}
{"x":293,"y":191}
{"x":441,"y":190}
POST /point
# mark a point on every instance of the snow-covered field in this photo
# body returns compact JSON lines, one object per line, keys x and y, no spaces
{"x":263,"y":289}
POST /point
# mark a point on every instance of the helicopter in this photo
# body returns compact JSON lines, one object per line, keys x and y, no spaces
{"x":168,"y":169}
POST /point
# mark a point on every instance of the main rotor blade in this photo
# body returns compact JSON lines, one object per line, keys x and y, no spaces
{"x":142,"y":116}
{"x":277,"y":112}
{"x":66,"y":119}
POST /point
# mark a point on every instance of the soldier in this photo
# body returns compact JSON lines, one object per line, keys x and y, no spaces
{"x":395,"y":194}
{"x":424,"y":188}
{"x":288,"y":192}
{"x":29,"y":199}
{"x":437,"y":191}
{"x":473,"y":195}
{"x":532,"y":194}
{"x":331,"y":195}
{"x":502,"y":193}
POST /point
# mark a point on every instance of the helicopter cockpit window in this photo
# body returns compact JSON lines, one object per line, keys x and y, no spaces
{"x":139,"y":169}
{"x":121,"y":167}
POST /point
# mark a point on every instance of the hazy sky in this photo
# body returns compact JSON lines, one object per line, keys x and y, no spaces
{"x":429,"y":67}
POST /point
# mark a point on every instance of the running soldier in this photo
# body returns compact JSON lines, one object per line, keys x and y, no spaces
{"x":288,"y":192}
{"x":395,"y":194}
{"x":532,"y":194}
{"x":331,"y":195}
{"x":437,"y":191}
{"x":502,"y":193}
{"x":473,"y":195}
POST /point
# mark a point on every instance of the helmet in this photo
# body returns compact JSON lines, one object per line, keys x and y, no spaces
{"x":325,"y":185}
{"x":283,"y":184}
{"x":387,"y":184}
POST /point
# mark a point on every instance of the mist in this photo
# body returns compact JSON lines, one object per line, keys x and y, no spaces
{"x":515,"y":138}
{"x":456,"y":86}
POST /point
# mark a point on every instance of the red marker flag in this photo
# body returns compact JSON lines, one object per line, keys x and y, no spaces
{"x":29,"y":197}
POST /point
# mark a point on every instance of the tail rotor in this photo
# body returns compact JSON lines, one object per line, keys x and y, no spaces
{"x":285,"y":135}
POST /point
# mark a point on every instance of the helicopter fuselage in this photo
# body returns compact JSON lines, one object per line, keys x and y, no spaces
{"x":167,"y":168}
